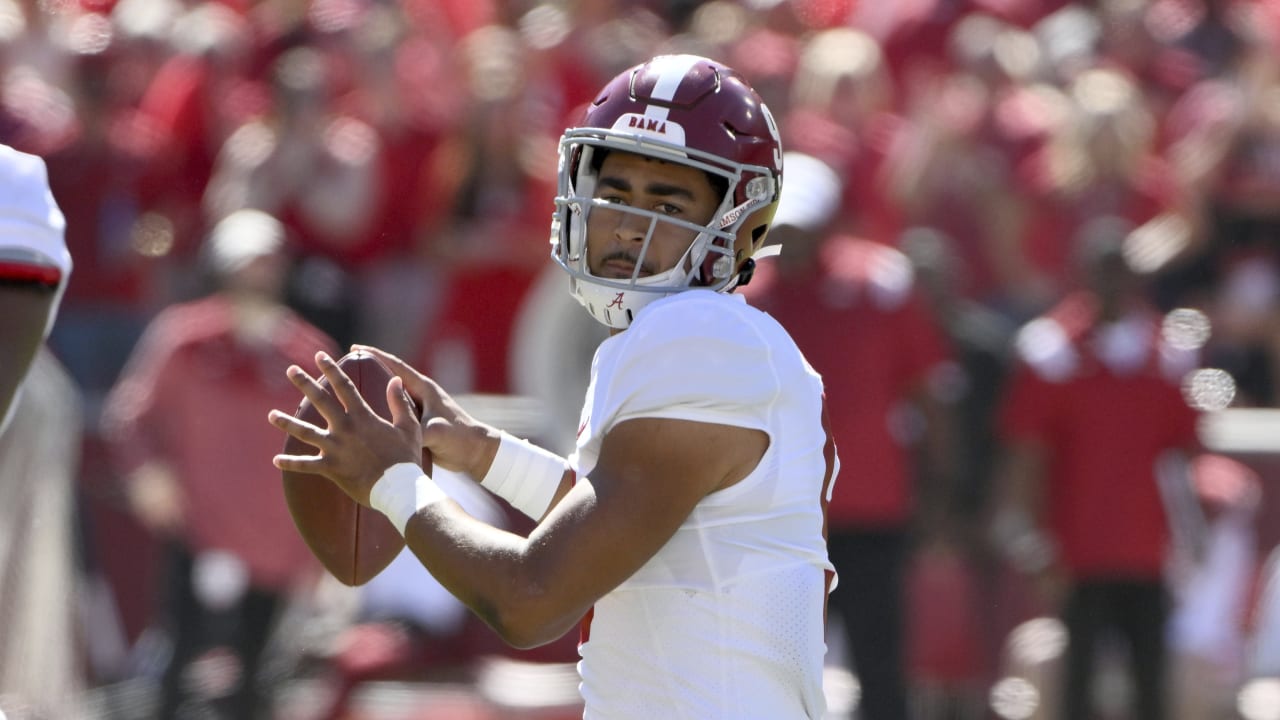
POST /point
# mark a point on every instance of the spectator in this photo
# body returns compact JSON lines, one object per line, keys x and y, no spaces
{"x":493,"y":174}
{"x":1100,"y":160}
{"x":980,"y":339}
{"x":194,"y":477}
{"x":120,"y":249}
{"x":1092,"y":408}
{"x":842,"y":109}
{"x":951,"y":167}
{"x":206,"y":86}
{"x":317,"y":169}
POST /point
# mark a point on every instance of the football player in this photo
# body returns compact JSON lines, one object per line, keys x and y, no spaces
{"x":685,"y":534}
{"x":40,"y":418}
{"x":34,"y":268}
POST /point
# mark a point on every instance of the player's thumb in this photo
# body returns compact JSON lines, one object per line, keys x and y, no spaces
{"x":404,"y":414}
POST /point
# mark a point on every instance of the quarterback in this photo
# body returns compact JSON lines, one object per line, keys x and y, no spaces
{"x":685,"y":536}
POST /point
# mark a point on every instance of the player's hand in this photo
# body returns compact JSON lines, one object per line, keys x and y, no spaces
{"x":358,"y":445}
{"x":457,"y":441}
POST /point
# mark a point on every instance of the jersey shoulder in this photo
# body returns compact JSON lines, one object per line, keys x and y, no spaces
{"x":698,"y":348}
{"x":709,"y":326}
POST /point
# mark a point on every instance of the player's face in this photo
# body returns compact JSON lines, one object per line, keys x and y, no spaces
{"x":615,"y":238}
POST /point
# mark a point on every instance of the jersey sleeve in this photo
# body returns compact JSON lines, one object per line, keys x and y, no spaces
{"x":699,"y":360}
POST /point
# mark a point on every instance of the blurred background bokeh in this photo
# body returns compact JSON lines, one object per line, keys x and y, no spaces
{"x":408,"y":147}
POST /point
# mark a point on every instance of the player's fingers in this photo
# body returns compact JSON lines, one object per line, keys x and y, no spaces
{"x":416,"y":383}
{"x":301,"y":429}
{"x":308,"y":464}
{"x":322,"y":399}
{"x":343,"y":388}
{"x":403,"y":413}
{"x":393,"y":363}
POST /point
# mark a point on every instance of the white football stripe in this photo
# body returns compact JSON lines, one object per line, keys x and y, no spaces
{"x":671,"y":71}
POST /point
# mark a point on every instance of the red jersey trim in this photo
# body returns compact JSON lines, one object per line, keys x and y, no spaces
{"x":24,"y":272}
{"x":584,"y":630}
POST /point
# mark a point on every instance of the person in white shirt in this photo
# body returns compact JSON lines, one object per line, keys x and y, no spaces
{"x":685,"y":535}
{"x":40,"y":430}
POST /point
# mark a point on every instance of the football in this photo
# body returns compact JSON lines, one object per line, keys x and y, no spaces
{"x":352,"y":542}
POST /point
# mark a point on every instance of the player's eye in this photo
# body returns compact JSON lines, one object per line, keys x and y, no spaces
{"x":668,"y":208}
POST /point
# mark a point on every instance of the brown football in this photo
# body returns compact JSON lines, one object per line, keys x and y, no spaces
{"x":352,"y":542}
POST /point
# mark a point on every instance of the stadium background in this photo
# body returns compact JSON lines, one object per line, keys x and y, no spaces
{"x":417,"y":185}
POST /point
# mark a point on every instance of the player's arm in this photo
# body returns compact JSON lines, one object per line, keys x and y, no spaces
{"x":26,"y":314}
{"x":650,"y":474}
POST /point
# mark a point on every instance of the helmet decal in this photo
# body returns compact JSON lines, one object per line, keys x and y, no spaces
{"x":665,"y":130}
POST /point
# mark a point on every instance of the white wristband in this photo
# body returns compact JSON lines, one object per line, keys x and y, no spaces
{"x":525,"y":475}
{"x":401,"y":492}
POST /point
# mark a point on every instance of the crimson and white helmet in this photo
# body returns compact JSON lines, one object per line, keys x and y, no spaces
{"x":680,"y":109}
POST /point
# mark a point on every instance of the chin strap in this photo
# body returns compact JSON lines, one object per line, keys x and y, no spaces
{"x":749,"y":267}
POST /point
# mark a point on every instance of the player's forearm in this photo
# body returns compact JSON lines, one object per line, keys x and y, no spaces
{"x":509,"y":582}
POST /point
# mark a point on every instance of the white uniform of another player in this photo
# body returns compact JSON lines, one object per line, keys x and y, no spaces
{"x":726,"y":621}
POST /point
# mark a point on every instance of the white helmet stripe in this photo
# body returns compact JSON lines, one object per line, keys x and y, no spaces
{"x":671,"y":72}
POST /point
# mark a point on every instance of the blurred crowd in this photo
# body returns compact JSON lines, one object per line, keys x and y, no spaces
{"x":407,"y":148}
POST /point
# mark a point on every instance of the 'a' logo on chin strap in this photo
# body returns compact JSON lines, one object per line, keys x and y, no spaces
{"x":617,"y":301}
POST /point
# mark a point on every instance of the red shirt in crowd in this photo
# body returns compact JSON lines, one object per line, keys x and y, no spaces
{"x":860,"y":321}
{"x":1104,"y":424}
{"x":195,"y":397}
{"x":1056,"y":219}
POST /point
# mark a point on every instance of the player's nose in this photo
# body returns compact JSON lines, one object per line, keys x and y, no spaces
{"x":631,"y":227}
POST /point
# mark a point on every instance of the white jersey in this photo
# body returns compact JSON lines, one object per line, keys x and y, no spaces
{"x":727,"y":619}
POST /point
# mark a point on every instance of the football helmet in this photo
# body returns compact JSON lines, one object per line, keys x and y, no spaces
{"x":679,"y":109}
